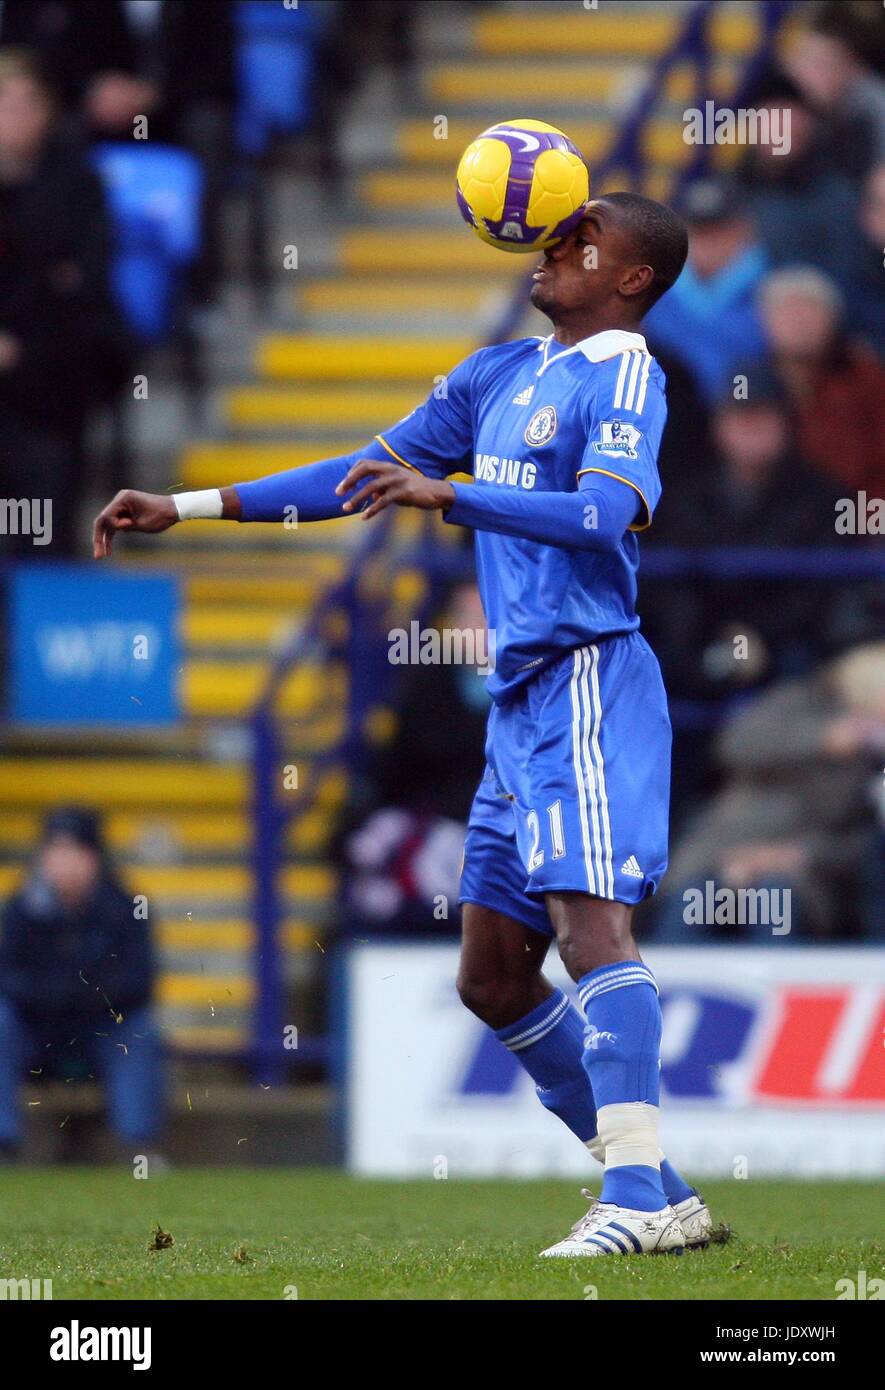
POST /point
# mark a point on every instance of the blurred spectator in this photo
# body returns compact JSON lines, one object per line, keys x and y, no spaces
{"x":803,"y":208}
{"x":836,"y":387}
{"x":404,"y":838}
{"x":802,"y":767}
{"x":361,"y":37}
{"x":709,"y":316}
{"x":171,"y":62}
{"x":861,"y":23}
{"x":684,"y":441}
{"x":754,"y":491}
{"x":849,"y":97}
{"x":75,"y":40}
{"x":62,"y":345}
{"x":76,"y":977}
{"x":112,"y":61}
{"x":434,"y":760}
{"x":866,"y":291}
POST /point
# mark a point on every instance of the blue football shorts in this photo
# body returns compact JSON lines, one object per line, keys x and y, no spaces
{"x":575,"y":796}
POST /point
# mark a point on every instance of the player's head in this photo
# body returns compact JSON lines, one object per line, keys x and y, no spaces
{"x":624,"y":254}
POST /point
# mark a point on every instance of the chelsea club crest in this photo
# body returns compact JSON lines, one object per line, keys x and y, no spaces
{"x":541,"y":427}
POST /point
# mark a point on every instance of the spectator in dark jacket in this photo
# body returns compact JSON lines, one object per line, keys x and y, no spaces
{"x":797,"y":809}
{"x":172,"y":64}
{"x":803,"y":206}
{"x":710,"y":316}
{"x":755,"y":491}
{"x":76,"y":978}
{"x":112,"y":62}
{"x":865,"y":306}
{"x":844,"y":92}
{"x":63,"y":347}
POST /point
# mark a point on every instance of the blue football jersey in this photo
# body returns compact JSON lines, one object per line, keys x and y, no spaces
{"x":539,"y":417}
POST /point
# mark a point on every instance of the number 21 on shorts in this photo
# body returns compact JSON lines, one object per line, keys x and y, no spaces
{"x":557,"y":836}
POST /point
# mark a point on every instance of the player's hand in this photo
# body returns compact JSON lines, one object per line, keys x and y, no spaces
{"x":390,"y":484}
{"x":131,"y":511}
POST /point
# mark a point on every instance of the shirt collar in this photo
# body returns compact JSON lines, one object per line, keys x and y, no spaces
{"x":609,"y":343}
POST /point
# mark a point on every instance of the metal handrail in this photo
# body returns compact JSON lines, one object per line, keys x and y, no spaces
{"x":693,"y":42}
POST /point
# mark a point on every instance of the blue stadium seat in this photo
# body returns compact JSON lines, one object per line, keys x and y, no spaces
{"x":154,"y":195}
{"x":275,"y":60}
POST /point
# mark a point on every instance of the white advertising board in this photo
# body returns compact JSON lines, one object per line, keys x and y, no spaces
{"x":773,"y":1062}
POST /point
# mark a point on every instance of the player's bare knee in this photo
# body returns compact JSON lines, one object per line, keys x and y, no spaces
{"x":590,"y":932}
{"x":494,"y":999}
{"x":480,"y":996}
{"x":582,"y":950}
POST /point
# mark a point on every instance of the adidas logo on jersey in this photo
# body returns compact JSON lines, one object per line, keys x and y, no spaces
{"x":631,"y":868}
{"x":524,"y":396}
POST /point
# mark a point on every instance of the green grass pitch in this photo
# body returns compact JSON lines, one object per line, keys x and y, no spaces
{"x":243,"y":1233}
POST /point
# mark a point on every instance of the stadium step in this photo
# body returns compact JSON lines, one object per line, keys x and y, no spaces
{"x":220,"y":464}
{"x":431,"y":254}
{"x":223,"y":627}
{"x":308,"y":358}
{"x":163,"y":836}
{"x":629,"y":33}
{"x":363,"y":295}
{"x":195,"y":886}
{"x":415,"y":180}
{"x":234,"y":935}
{"x":231,"y":689}
{"x":556,"y":84}
{"x":121,"y":782}
{"x":273,"y":408}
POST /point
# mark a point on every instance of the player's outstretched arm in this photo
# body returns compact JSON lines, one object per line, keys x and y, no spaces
{"x":151,"y":512}
{"x":596,"y":517}
{"x":309,"y":492}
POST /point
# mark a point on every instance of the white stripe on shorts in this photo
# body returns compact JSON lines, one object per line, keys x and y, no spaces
{"x":574,"y":691}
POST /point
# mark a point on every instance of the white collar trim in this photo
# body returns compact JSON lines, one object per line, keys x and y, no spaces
{"x":597,"y":348}
{"x":609,"y":343}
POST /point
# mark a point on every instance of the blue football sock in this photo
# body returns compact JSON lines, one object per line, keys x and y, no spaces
{"x":676,"y":1189}
{"x":549,"y":1043}
{"x":622,"y":1059}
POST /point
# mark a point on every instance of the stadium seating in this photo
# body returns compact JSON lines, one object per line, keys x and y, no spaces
{"x":275,"y":58}
{"x":154,"y":195}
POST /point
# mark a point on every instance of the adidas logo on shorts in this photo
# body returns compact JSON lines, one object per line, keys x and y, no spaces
{"x":631,"y":868}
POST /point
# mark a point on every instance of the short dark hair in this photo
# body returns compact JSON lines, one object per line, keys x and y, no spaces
{"x":659,"y":235}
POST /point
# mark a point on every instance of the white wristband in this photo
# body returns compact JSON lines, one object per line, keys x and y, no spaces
{"x":198,"y":506}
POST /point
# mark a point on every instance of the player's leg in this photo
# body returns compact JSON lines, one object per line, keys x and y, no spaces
{"x":591,"y":809}
{"x":500,"y":977}
{"x":622,"y":1043}
{"x":505,"y":939}
{"x":622,"y":1060}
{"x":500,"y":980}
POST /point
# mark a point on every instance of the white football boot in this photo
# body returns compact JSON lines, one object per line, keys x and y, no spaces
{"x":611,"y":1230}
{"x":695,"y":1220}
